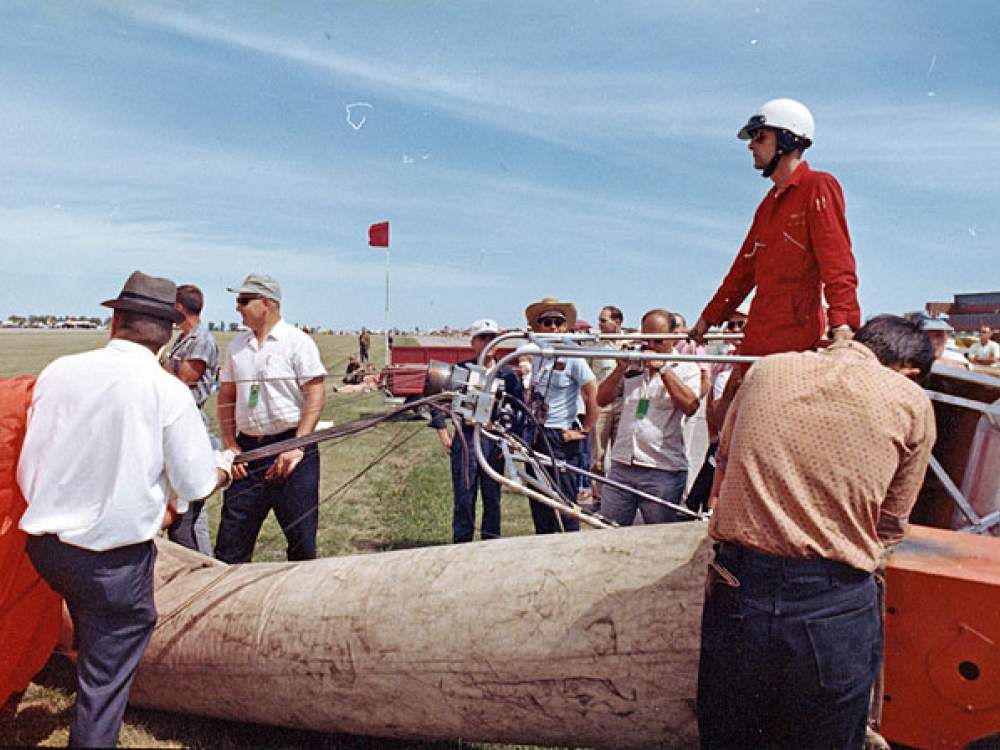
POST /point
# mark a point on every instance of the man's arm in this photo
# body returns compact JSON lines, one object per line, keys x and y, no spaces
{"x":592,"y":410}
{"x":831,"y":244}
{"x":225,"y":412}
{"x":315,"y":397}
{"x":734,"y":289}
{"x":610,"y":387}
{"x":189,"y":371}
{"x":906,"y":483}
{"x":683,"y":397}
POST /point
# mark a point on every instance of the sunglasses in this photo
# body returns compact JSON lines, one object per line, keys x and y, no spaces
{"x":757,"y":135}
{"x":551,"y":322}
{"x":244,"y":301}
{"x":735,"y":325}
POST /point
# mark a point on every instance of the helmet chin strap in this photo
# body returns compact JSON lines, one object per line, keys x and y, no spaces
{"x":773,"y":164}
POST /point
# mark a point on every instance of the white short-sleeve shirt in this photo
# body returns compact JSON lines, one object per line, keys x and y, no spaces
{"x":269,"y":378}
{"x":110,"y":432}
{"x":655,"y":439}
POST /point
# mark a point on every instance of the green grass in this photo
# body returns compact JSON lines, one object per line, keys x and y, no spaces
{"x":402,"y":501}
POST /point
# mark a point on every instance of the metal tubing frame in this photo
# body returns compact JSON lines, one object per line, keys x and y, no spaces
{"x":563,"y":465}
{"x":569,"y":510}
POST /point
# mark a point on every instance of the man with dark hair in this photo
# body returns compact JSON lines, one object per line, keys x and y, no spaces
{"x":798,"y":249}
{"x":194,"y":359}
{"x":109,"y":436}
{"x":609,"y":321}
{"x":821,"y":458}
{"x":648,"y":452}
{"x":272,"y":390}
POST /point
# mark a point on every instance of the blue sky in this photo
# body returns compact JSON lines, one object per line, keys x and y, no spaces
{"x":584,"y":150}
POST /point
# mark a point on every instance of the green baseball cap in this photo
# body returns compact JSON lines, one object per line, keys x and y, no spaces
{"x":259,"y":283}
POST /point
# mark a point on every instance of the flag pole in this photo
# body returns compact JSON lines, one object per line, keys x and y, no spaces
{"x":387,"y":361}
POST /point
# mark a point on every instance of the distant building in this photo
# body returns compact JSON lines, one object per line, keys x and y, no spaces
{"x":76,"y":324}
{"x":969,"y":311}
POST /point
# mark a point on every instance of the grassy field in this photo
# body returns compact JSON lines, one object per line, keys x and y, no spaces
{"x":402,"y":501}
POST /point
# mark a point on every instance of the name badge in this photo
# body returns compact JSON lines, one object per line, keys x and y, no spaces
{"x":254,"y":395}
{"x":642,"y":408}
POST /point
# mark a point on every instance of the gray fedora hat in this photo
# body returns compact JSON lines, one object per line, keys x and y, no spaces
{"x":148,"y":295}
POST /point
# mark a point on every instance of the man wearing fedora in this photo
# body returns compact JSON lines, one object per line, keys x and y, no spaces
{"x":114,"y":448}
{"x":556,"y":387}
{"x":271,"y":390}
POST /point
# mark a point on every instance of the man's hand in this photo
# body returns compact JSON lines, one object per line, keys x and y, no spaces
{"x":842,"y":333}
{"x":445,"y":439}
{"x":284,"y":464}
{"x":240,"y":469}
{"x":697,"y":333}
{"x":171,"y":514}
{"x":572,"y":435}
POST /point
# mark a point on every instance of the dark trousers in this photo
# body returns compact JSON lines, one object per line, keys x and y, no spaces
{"x":181,"y":530}
{"x":110,"y":599}
{"x":547,"y":519}
{"x":465,"y":466}
{"x":789,"y":652}
{"x":294,"y":500}
{"x":701,"y":488}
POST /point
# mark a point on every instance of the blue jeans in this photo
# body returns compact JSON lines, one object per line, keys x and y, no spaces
{"x":110,"y":600}
{"x":465,"y":466}
{"x":547,"y":519}
{"x":294,"y":500}
{"x":621,"y":506}
{"x":789,"y":652}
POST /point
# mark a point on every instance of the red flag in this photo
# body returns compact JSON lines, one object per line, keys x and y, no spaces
{"x":378,"y":234}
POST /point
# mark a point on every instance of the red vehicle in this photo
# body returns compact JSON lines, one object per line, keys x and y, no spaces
{"x":404,"y":378}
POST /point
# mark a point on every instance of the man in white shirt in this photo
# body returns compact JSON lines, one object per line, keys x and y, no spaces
{"x":111,"y":437}
{"x":648,"y":452}
{"x":985,"y":351}
{"x":271,"y":390}
{"x":557,"y":385}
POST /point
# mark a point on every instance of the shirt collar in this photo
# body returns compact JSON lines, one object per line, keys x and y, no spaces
{"x":279,"y":331}
{"x":850,"y":348}
{"x":797,"y":176}
{"x":129,"y":347}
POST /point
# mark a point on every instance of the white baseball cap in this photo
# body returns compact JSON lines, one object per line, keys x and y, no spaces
{"x":484,"y":327}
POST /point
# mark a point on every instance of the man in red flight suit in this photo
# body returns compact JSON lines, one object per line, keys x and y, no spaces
{"x":798,"y":248}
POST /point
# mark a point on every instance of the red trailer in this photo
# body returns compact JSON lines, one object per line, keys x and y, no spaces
{"x":404,"y":378}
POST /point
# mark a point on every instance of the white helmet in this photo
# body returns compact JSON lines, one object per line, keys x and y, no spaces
{"x":485,"y":327}
{"x":782,"y":114}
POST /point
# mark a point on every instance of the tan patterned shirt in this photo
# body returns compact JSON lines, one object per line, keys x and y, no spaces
{"x":823,"y":453}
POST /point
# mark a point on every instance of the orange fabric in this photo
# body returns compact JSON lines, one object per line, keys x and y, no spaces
{"x":797,"y":247}
{"x":30,"y":612}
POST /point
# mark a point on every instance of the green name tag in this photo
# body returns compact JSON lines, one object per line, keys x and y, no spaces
{"x":642,"y":408}
{"x":254,"y":395}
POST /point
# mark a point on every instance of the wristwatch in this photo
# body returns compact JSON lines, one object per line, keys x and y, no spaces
{"x":668,"y":366}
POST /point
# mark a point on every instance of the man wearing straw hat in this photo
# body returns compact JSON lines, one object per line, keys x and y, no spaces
{"x":110,"y":436}
{"x":556,"y":386}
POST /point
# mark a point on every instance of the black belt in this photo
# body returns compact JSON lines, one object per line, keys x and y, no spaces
{"x":738,"y":554}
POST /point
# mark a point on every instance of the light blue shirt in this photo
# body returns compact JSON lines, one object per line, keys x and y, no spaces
{"x":559,"y":381}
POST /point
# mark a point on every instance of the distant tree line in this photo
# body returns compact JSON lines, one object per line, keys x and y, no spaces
{"x":30,"y":321}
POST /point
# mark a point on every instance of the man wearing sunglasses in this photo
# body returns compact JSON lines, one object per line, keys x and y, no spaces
{"x":798,"y":249}
{"x":271,"y":390}
{"x":557,"y":385}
